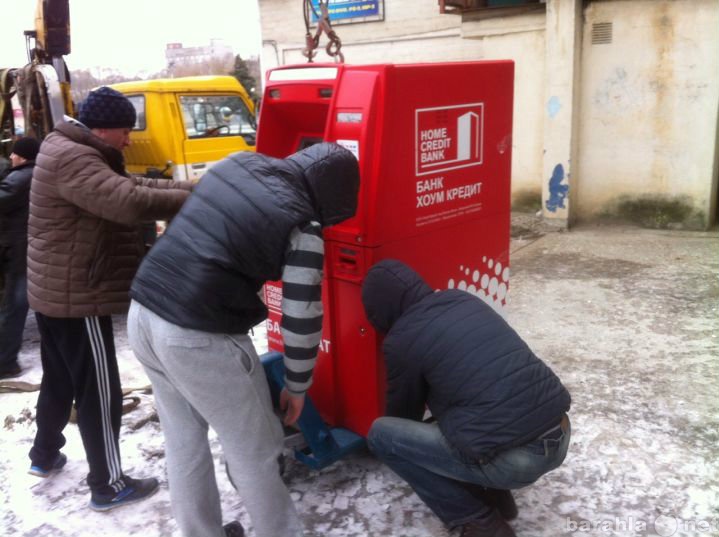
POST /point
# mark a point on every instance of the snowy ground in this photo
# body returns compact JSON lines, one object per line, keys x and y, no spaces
{"x":628,"y":318}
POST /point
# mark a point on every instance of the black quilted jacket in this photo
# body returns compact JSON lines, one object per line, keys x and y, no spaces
{"x":232,"y":234}
{"x":454,"y":353}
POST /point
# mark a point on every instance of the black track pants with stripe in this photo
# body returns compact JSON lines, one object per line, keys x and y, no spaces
{"x":79,"y":363}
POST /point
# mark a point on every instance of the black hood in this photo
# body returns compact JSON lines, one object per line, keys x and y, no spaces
{"x":26,"y":164}
{"x":389,"y":289}
{"x":331,"y":179}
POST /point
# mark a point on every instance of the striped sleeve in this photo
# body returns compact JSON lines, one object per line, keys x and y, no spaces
{"x":302,"y":305}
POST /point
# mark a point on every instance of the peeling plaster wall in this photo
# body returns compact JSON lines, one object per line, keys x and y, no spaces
{"x":649,"y":105}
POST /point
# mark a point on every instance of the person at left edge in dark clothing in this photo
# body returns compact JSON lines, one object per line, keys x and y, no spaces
{"x":14,"y":203}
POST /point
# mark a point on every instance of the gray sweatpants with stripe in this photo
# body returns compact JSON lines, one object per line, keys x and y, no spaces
{"x":202,"y":379}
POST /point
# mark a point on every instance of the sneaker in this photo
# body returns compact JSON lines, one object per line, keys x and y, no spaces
{"x":40,"y":471}
{"x":491,"y":525}
{"x":234,"y":529}
{"x":134,"y":491}
{"x":11,"y":371}
{"x":502,"y":501}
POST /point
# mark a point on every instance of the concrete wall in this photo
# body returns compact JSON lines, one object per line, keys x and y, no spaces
{"x":414,"y":31}
{"x":633,"y":122}
{"x":648,"y":132}
{"x":519,"y":38}
{"x":561,"y":119}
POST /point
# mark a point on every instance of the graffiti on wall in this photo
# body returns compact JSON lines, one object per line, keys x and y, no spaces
{"x":553,"y":106}
{"x":557,"y":190}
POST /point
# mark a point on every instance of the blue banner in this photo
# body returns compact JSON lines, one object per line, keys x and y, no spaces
{"x":344,"y":10}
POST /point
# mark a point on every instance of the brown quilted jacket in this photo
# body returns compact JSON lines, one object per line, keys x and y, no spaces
{"x":84,"y":240}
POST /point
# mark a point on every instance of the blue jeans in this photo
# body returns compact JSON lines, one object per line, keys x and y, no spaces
{"x":438,"y":472}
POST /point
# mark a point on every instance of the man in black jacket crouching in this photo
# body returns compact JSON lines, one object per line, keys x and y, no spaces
{"x":500,"y":411}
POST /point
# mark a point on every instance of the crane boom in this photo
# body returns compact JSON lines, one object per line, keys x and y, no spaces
{"x":41,"y":89}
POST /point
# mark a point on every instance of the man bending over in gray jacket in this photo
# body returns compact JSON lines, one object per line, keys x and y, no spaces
{"x":251,"y":219}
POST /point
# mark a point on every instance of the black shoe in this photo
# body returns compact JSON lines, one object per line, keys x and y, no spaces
{"x":10,"y":371}
{"x":134,"y":491}
{"x":491,"y":525}
{"x":502,"y":501}
{"x":234,"y":529}
{"x":41,"y":471}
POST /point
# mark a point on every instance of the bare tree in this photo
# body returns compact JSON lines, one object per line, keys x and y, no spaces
{"x":213,"y":66}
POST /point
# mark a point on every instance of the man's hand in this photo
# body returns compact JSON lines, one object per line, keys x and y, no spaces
{"x":291,"y":405}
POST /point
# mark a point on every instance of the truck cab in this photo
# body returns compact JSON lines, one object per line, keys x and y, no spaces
{"x":184,"y":125}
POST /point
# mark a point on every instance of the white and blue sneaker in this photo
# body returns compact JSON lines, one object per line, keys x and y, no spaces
{"x":43,"y":472}
{"x":134,"y":491}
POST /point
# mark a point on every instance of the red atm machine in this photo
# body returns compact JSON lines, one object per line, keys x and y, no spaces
{"x":434,"y":145}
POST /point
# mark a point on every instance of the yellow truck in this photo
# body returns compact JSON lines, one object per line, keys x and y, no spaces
{"x":184,"y":125}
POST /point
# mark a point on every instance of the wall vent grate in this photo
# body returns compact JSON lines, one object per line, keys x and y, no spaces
{"x":601,"y":33}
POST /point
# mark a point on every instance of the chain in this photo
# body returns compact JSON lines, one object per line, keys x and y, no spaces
{"x":323,"y":25}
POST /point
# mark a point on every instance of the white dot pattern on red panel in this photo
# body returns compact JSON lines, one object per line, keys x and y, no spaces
{"x":490,"y":282}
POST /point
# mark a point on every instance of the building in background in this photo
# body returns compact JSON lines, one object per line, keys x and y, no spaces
{"x":616,"y":101}
{"x":216,"y":58}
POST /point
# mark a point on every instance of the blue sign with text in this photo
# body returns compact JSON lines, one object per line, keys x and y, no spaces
{"x":342,"y":10}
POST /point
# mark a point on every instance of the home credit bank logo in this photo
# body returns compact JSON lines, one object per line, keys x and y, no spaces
{"x":448,"y":137}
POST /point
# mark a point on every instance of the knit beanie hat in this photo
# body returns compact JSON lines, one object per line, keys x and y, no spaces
{"x":106,"y":108}
{"x":26,"y":148}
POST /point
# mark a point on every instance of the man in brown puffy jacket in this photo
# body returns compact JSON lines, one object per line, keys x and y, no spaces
{"x":84,"y":247}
